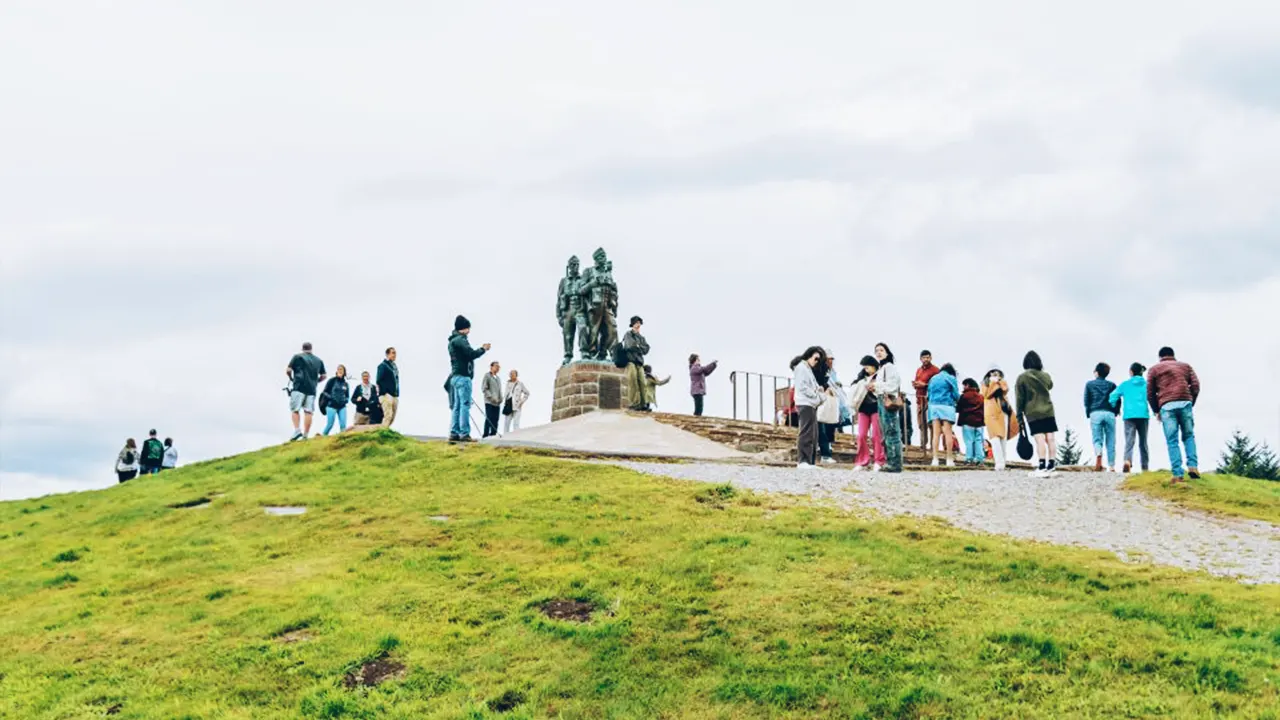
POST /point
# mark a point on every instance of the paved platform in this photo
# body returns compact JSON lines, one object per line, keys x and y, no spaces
{"x":609,"y":432}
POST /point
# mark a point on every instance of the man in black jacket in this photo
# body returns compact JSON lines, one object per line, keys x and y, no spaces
{"x":365,"y":398}
{"x":389,"y":387}
{"x":462,"y":367}
{"x":152,"y":455}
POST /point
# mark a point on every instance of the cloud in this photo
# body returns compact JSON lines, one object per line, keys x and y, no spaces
{"x":992,"y":150}
{"x":1240,"y":68}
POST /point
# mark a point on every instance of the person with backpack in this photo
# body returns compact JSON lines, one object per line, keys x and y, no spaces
{"x":334,"y":400}
{"x":1101,"y":411}
{"x":634,"y":348}
{"x":1001,"y":421}
{"x":127,"y":461}
{"x":389,"y":387}
{"x":698,"y":381}
{"x":305,"y":371}
{"x":943,"y":391}
{"x":1172,"y":391}
{"x":462,"y":370}
{"x":152,"y":455}
{"x":971,"y":419}
{"x":368,"y":405}
{"x":170,"y":455}
{"x":1131,"y":398}
{"x":1035,"y":404}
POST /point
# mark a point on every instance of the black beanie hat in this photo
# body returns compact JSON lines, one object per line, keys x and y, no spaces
{"x":460,"y":323}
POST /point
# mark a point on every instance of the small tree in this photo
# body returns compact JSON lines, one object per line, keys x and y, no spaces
{"x":1245,"y":458}
{"x":1069,"y":450}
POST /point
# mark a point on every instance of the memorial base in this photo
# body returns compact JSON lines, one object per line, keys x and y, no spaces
{"x":583,"y":387}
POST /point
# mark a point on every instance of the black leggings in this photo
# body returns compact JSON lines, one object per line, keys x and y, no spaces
{"x":697,"y":405}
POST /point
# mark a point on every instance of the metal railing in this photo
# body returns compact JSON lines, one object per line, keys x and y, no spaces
{"x":743,"y":379}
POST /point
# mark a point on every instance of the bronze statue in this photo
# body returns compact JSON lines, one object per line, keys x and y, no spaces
{"x":600,"y":299}
{"x":569,"y":308}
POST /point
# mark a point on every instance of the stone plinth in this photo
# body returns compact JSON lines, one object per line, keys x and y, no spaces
{"x":582,"y":387}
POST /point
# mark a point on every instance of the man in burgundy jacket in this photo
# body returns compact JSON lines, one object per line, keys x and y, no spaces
{"x":1172,"y":391}
{"x":921,"y":384}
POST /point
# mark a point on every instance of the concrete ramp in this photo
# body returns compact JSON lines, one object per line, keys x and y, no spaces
{"x":618,"y":433}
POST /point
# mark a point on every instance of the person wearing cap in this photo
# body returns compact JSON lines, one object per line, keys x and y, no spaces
{"x":1002,"y":423}
{"x":462,"y":367}
{"x":1131,"y":397}
{"x":636,"y":348}
{"x":152,"y":457}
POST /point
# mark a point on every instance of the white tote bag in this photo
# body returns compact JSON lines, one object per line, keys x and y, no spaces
{"x":829,"y":410}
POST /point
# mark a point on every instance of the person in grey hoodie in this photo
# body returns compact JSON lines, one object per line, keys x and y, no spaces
{"x":809,"y":395}
{"x":491,"y":386}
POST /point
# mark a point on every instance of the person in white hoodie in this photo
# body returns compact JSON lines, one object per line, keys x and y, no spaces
{"x":809,"y":395}
{"x":516,"y":396}
{"x":170,"y":455}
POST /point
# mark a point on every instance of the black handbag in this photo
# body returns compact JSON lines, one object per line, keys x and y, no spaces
{"x":507,"y":409}
{"x":1025,"y":449}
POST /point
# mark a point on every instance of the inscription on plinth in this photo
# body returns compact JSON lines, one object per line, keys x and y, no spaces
{"x":582,"y":387}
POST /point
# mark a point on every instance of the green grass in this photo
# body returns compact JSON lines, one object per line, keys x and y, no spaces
{"x":710,"y":602}
{"x":1224,"y":494}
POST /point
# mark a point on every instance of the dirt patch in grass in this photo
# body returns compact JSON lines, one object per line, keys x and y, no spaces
{"x":570,"y":610}
{"x":197,"y":502}
{"x":295,"y":636}
{"x":373,"y":673}
{"x":506,"y":702}
{"x":115,"y":709}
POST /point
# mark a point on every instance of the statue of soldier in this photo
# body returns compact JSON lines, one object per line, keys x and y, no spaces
{"x":600,"y":296}
{"x":569,"y":308}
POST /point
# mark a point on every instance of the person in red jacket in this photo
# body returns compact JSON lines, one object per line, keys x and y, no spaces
{"x":1172,"y":391}
{"x":923,"y":375}
{"x":972,"y":418}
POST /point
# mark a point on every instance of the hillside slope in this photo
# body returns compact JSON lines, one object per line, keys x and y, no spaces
{"x":490,"y":583}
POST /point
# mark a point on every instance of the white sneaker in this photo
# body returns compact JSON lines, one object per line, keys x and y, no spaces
{"x":828,"y":461}
{"x":297,"y":435}
{"x":934,"y":463}
{"x":859,"y":468}
{"x":951,"y":463}
{"x":875,"y":468}
{"x":1037,"y":473}
{"x":806,"y":466}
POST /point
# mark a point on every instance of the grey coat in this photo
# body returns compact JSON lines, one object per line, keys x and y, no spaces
{"x":492,"y":388}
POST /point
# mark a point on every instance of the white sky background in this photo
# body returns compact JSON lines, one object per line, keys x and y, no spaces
{"x":190,"y":190}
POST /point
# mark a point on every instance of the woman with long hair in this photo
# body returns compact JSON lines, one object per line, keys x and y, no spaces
{"x":809,"y":395}
{"x":1035,"y":406}
{"x":337,"y":393}
{"x":887,"y":386}
{"x":866,"y":410}
{"x":127,"y":461}
{"x":943,"y":393}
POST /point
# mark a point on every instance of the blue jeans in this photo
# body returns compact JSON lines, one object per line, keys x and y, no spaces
{"x":974,"y":451}
{"x":1103,"y":425}
{"x":1177,"y":418}
{"x":332,"y":414}
{"x":460,"y":406}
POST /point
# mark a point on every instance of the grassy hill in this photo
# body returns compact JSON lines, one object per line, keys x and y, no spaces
{"x":478,"y":583}
{"x":1214,"y":493}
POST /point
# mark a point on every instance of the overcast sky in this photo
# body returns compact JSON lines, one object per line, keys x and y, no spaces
{"x":188,"y":191}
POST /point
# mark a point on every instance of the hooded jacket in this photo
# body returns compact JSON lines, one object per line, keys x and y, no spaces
{"x":1035,"y":401}
{"x":462,"y":357}
{"x":1131,"y":397}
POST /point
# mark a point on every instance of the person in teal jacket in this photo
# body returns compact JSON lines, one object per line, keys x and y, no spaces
{"x":1132,"y":396}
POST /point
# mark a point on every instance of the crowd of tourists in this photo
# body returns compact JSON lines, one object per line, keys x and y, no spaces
{"x":987,"y":412}
{"x":153,"y":457}
{"x":500,"y":403}
{"x":376,"y":399}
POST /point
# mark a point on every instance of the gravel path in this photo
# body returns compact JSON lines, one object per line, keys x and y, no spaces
{"x":1086,"y":509}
